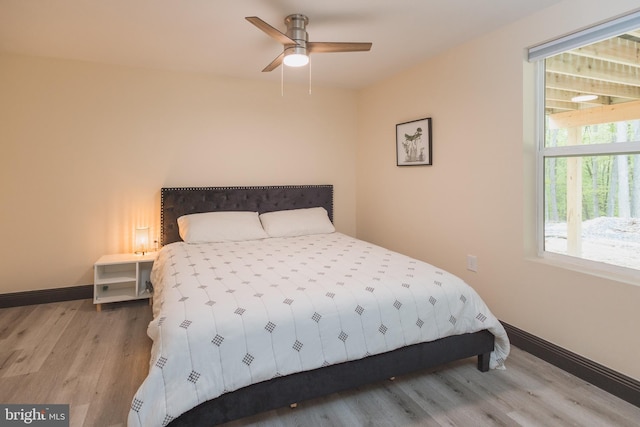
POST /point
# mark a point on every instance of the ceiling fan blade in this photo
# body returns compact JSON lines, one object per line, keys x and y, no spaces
{"x":274,"y":64}
{"x":273,"y":32}
{"x":327,"y":47}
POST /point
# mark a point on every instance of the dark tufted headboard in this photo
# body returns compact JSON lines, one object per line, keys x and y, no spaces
{"x":176,"y":202}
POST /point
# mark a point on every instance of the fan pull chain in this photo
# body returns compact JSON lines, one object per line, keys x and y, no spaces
{"x":310,"y":77}
{"x":282,"y":80}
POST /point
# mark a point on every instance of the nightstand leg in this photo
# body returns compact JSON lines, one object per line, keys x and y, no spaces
{"x":98,"y":307}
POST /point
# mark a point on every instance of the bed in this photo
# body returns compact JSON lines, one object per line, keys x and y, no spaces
{"x":255,"y":322}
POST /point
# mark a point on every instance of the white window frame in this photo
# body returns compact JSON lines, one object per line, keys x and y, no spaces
{"x":538,"y":54}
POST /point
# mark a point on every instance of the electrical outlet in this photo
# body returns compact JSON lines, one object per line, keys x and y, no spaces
{"x":472,"y":263}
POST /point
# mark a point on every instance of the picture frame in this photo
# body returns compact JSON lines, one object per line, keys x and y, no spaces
{"x":413,"y":143}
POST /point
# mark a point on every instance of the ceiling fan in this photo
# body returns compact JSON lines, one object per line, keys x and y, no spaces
{"x":297,"y":46}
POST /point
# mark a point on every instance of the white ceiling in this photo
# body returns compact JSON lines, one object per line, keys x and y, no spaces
{"x":212,"y":36}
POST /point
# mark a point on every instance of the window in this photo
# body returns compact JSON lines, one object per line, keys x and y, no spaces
{"x":589,"y":153}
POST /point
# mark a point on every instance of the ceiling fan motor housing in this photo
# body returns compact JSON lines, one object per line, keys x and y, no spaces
{"x":296,"y":31}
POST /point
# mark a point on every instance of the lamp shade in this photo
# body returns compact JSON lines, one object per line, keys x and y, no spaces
{"x":142,"y":239}
{"x":296,"y":60}
{"x":296,"y":56}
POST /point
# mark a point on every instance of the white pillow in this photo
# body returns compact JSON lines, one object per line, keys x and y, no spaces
{"x":220,"y":227}
{"x":297,"y":222}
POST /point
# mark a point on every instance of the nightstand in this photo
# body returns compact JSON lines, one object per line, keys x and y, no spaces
{"x":121,"y":277}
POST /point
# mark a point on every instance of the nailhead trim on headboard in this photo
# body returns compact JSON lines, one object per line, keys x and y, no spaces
{"x":178,"y":201}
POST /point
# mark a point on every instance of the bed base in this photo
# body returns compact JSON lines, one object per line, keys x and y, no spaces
{"x":291,"y":389}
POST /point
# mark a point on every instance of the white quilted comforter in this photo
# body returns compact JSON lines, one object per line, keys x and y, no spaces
{"x":227,"y":315}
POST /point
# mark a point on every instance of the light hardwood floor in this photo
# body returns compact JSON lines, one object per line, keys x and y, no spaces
{"x":68,"y":353}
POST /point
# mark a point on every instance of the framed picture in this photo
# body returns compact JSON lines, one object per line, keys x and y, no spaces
{"x":413,"y":143}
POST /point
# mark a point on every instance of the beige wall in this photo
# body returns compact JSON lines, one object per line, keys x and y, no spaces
{"x":478,"y":197}
{"x":86,"y":149}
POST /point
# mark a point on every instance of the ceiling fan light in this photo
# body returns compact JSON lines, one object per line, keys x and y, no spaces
{"x":296,"y":60}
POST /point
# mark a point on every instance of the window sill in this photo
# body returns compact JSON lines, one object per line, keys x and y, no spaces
{"x":593,"y":268}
